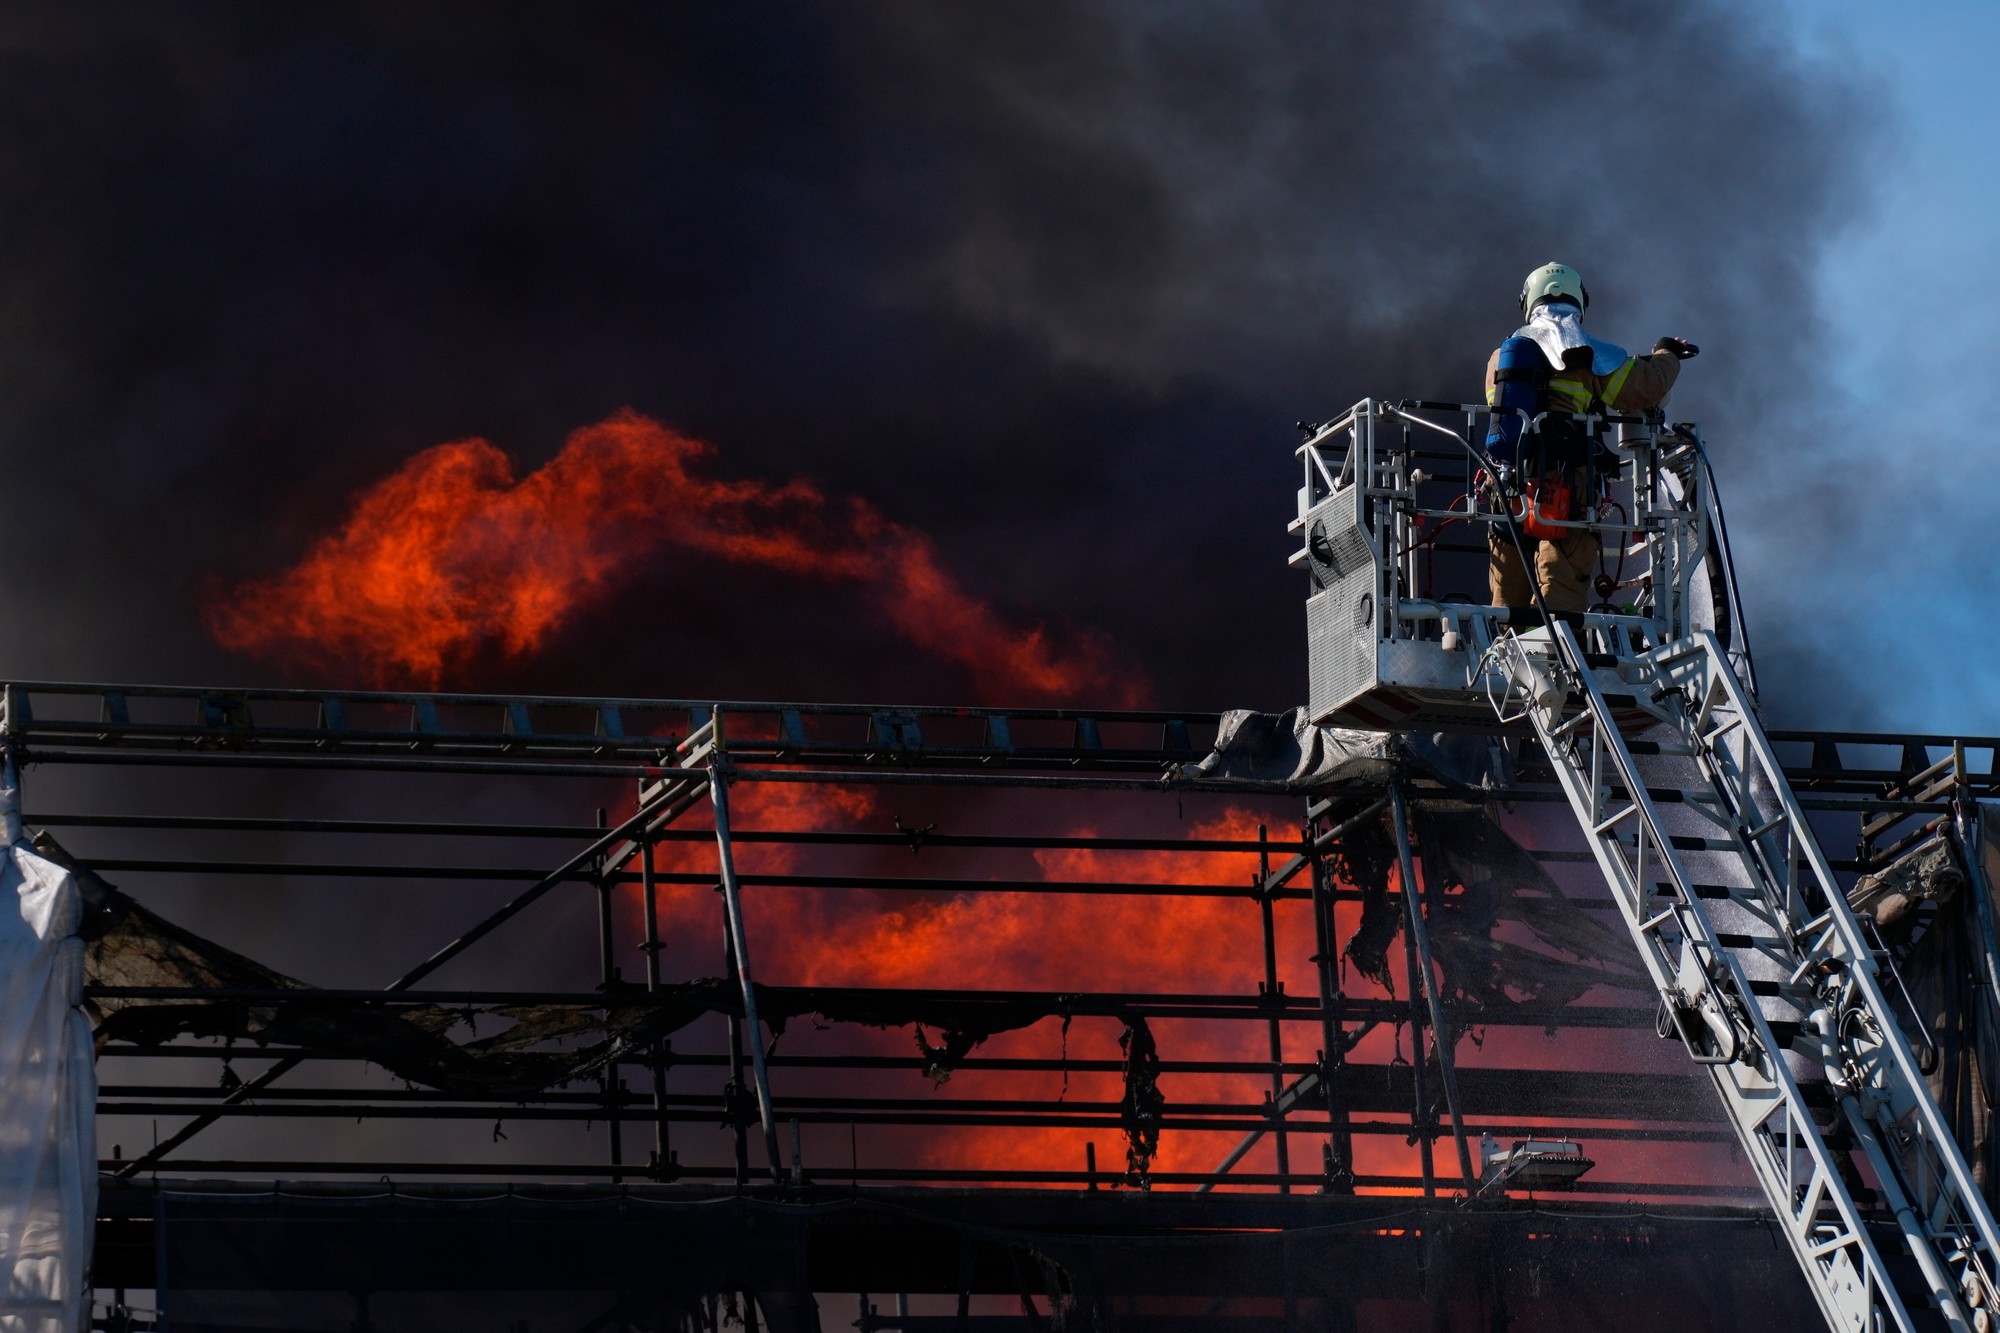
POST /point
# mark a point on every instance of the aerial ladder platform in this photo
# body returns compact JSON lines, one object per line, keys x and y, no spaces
{"x":1645,"y":709}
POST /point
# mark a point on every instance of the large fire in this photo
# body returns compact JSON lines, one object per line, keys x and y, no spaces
{"x":1063,"y":942}
{"x":454,"y":556}
{"x":998,"y":941}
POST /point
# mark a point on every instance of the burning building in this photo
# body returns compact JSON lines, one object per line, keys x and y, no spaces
{"x":980,"y":320}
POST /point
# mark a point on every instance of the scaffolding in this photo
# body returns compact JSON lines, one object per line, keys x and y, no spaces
{"x":173,"y":787}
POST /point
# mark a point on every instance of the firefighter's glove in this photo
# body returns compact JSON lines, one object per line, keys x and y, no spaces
{"x":1681,"y":348}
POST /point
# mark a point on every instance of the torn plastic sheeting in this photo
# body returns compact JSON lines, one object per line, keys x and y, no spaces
{"x":1476,"y":876}
{"x":1142,"y":1107}
{"x":1285,"y":752}
{"x":1938,"y":937}
{"x":1364,"y":859}
{"x":48,"y":1099}
{"x":1928,"y":872}
{"x":129,"y":946}
{"x":1496,"y":879}
{"x":530,"y":1047}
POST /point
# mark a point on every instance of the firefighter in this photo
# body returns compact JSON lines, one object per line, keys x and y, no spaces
{"x":1551,"y":365}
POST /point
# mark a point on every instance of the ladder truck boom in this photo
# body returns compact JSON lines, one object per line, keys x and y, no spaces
{"x":1765,"y":974}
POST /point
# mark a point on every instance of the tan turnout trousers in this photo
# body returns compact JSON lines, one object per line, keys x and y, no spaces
{"x":1563,"y":569}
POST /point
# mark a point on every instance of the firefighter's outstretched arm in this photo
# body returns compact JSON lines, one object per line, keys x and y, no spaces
{"x":1643,"y":381}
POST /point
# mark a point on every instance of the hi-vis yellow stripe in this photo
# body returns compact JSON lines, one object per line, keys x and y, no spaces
{"x":1613,"y":385}
{"x":1574,"y":395}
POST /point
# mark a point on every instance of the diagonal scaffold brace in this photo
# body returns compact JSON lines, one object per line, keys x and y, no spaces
{"x":676,"y":792}
{"x":739,"y":942}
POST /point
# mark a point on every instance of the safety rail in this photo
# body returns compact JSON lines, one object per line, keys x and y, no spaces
{"x":419,"y":729}
{"x":1386,"y":651}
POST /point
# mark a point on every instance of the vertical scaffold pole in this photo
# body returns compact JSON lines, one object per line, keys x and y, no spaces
{"x":732,"y":899}
{"x":1333,"y":1036}
{"x":10,"y":775}
{"x":1271,"y":996}
{"x":662,"y":1136}
{"x":1419,"y":945}
{"x":738,"y":1065}
{"x":10,"y":793}
{"x":608,"y":972}
{"x":1420,"y":1091}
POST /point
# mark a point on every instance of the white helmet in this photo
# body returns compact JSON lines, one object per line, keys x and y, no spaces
{"x":1554,"y":282}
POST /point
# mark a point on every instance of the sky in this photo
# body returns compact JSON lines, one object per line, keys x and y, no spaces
{"x":1909,"y":294}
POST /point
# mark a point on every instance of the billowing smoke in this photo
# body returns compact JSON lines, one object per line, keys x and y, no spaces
{"x":1046,"y":285}
{"x":1000,"y":313}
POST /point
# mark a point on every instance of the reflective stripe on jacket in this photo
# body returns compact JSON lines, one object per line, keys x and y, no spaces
{"x":1642,"y":382}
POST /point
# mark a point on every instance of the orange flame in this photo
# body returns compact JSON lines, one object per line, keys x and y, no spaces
{"x":454,"y":555}
{"x":1050,"y":941}
{"x":1065,"y":942}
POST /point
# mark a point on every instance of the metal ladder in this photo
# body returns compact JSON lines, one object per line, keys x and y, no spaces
{"x":1765,"y":974}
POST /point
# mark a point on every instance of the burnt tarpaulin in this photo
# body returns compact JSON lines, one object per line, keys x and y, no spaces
{"x":492,"y":1050}
{"x":481,"y":1050}
{"x":235,"y":999}
{"x":1935,"y":906}
{"x":1481,"y":887}
{"x":1365,"y":858}
{"x":1287,"y":752}
{"x":1506,"y":937}
{"x":48,"y":1093}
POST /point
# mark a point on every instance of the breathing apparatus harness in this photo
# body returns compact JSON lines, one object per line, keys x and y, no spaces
{"x":1550,"y":455}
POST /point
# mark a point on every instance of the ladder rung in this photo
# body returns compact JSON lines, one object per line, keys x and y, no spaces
{"x":1730,"y":939}
{"x":1656,"y":920}
{"x":1710,"y":891}
{"x":1687,"y":842}
{"x":1765,"y":827}
{"x":1944,"y":766}
{"x":1605,"y":825}
{"x":1577,"y":723}
{"x":1712,"y":737}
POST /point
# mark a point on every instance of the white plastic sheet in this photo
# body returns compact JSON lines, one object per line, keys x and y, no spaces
{"x":48,"y":1091}
{"x":1285,"y":752}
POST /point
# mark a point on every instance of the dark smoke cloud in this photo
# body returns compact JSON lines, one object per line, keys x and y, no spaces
{"x":1050,"y":282}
